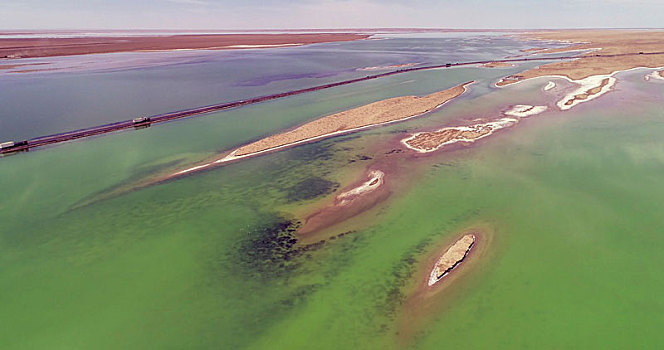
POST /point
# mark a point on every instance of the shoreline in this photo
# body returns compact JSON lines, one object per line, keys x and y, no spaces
{"x":608,"y":51}
{"x":16,"y":48}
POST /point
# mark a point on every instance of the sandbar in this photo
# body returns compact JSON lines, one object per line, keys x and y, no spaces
{"x":497,"y":65}
{"x":452,"y":257}
{"x":68,"y":46}
{"x":550,"y":85}
{"x":377,"y":113}
{"x":374,"y":114}
{"x":523,"y":111}
{"x":349,"y":203}
{"x":376,"y":179}
{"x":373,"y":68}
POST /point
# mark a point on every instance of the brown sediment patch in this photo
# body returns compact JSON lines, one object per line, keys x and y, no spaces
{"x":359,"y":198}
{"x":377,"y":113}
{"x":497,"y":65}
{"x":45,"y":47}
{"x":632,"y":44}
{"x":661,"y":73}
{"x":425,"y":301}
{"x":424,"y":142}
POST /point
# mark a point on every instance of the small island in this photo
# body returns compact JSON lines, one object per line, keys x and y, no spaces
{"x":424,"y":142}
{"x":452,"y":257}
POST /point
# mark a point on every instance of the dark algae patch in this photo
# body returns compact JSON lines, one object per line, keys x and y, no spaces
{"x":268,"y":251}
{"x":310,"y":188}
{"x":271,"y":251}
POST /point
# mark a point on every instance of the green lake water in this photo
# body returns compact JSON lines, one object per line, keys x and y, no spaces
{"x":574,"y":200}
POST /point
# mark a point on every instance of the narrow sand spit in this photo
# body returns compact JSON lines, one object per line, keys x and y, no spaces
{"x":550,"y":85}
{"x":424,"y":142}
{"x":523,"y":111}
{"x":354,"y":201}
{"x":373,"y":68}
{"x":376,"y":179}
{"x":497,"y":65}
{"x":452,"y":257}
{"x":377,"y":113}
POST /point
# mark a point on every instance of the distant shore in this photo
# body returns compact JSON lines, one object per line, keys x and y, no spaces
{"x":609,"y":51}
{"x":69,"y":46}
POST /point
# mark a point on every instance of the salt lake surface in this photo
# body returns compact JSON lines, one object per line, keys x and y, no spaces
{"x":571,"y":201}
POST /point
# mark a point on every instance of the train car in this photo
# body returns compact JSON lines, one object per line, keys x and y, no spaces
{"x":10,"y":147}
{"x":141,"y":122}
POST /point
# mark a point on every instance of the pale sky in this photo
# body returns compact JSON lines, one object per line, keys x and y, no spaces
{"x":281,"y":14}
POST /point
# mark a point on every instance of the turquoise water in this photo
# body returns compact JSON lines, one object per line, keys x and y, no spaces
{"x":206,"y":261}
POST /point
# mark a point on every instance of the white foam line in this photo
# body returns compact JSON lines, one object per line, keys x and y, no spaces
{"x":523,"y":111}
{"x":654,"y":75}
{"x":550,"y":85}
{"x":585,"y":85}
{"x":198,"y":167}
{"x":495,"y":125}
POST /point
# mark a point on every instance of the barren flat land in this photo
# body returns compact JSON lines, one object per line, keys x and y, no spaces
{"x":637,"y":46}
{"x":45,"y":47}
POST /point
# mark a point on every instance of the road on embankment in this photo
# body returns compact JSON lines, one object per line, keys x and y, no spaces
{"x":160,"y":118}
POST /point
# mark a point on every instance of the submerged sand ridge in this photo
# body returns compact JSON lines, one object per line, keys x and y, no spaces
{"x":452,"y":257}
